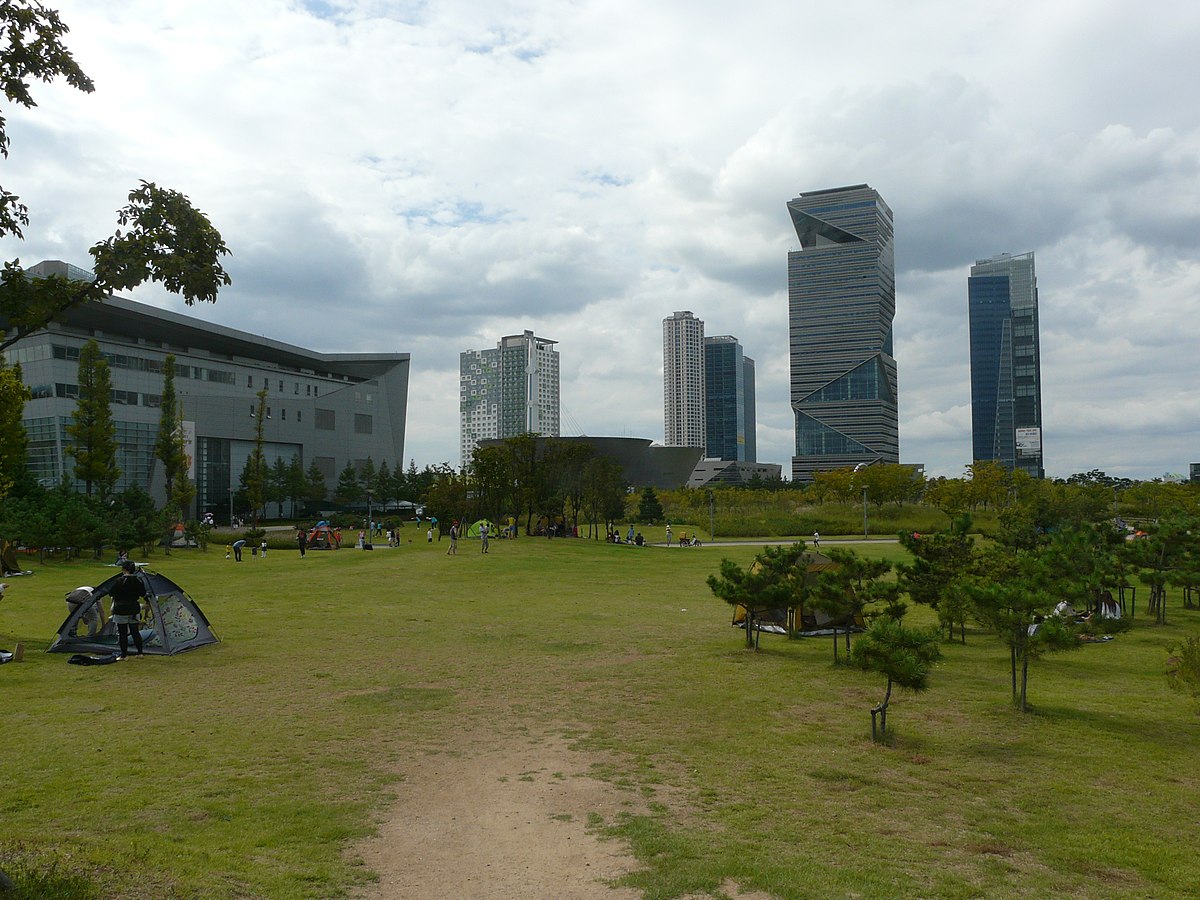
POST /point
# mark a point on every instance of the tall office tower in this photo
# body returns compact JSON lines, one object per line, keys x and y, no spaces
{"x":728,"y":400}
{"x":841,"y":302}
{"x":683,"y":380}
{"x":1006,"y":363}
{"x":507,"y":391}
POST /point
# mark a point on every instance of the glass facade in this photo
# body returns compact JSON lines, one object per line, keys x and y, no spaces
{"x":1006,"y":393}
{"x":728,"y":400}
{"x":841,"y":304}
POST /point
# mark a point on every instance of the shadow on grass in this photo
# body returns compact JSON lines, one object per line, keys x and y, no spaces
{"x":32,"y":880}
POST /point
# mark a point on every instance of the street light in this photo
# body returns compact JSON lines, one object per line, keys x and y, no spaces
{"x":370,"y":522}
{"x":711,"y":535}
{"x":865,"y":530}
{"x":231,"y":506}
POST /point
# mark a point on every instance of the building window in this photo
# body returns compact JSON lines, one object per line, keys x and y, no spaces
{"x":363,"y":424}
{"x":283,"y":415}
{"x":249,"y":381}
{"x":326,"y":420}
{"x":297,"y":388}
{"x":281,"y":385}
{"x":297,"y":415}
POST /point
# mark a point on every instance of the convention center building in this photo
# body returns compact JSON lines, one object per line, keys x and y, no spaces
{"x":324,"y":408}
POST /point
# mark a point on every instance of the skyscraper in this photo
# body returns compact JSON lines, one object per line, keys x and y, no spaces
{"x":841,"y":302}
{"x":683,"y":380}
{"x":1006,"y":363}
{"x":507,"y":391}
{"x":728,"y":400}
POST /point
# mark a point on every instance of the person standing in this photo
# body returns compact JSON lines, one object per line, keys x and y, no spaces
{"x":302,"y":541}
{"x":452,"y":550}
{"x":127,"y":595}
{"x":668,"y":534}
{"x":816,"y":540}
{"x":483,"y":537}
{"x":237,"y":550}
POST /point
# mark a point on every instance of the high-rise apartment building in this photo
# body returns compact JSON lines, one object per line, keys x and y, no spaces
{"x":1006,"y":367}
{"x":841,"y":302}
{"x":507,"y":391}
{"x":683,"y":380}
{"x":728,"y":400}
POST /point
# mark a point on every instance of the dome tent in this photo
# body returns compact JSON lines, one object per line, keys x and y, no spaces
{"x":171,"y":621}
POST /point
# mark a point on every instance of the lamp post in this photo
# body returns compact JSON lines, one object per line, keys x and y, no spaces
{"x":711,"y":536}
{"x":370,"y":518}
{"x":858,"y":469}
{"x":231,"y":506}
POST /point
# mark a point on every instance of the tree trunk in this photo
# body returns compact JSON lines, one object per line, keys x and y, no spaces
{"x":1024,"y":682}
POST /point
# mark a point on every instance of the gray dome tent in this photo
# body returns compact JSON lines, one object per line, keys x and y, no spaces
{"x":171,"y":621}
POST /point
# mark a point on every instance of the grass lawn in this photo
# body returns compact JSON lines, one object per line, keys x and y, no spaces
{"x":246,"y":769}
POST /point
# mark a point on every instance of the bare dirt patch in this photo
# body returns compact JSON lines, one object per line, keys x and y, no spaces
{"x":507,"y":820}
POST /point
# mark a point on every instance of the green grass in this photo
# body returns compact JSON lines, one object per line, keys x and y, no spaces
{"x":248,"y":768}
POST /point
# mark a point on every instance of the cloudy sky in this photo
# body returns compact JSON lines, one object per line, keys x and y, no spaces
{"x":429,"y":176}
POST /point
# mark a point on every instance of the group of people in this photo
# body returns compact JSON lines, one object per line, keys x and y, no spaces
{"x":484,"y":537}
{"x":631,"y":537}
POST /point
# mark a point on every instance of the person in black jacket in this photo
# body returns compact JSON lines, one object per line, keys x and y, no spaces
{"x":127,"y":595}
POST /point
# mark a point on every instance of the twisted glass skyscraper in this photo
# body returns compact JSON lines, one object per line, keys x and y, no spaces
{"x":841,"y":302}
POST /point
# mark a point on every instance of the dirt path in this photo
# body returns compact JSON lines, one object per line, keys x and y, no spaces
{"x":499,"y":821}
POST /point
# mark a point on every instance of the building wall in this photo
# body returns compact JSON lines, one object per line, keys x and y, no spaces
{"x":330,"y":408}
{"x":683,"y":380}
{"x":724,"y":399}
{"x":1006,"y":394}
{"x":507,"y":391}
{"x":841,"y":304}
{"x":751,"y":410}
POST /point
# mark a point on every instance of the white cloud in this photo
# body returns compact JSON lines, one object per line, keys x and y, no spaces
{"x":422,"y":177}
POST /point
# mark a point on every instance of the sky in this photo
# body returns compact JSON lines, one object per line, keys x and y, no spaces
{"x":427,"y":177}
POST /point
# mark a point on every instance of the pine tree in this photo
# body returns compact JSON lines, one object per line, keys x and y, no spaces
{"x":13,"y":440}
{"x":93,"y":432}
{"x":254,"y":476}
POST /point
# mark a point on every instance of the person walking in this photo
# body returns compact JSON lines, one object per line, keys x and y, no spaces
{"x":816,"y":540}
{"x":452,"y":550}
{"x":301,"y":541}
{"x":483,"y":537}
{"x":127,"y":594}
{"x":668,"y":534}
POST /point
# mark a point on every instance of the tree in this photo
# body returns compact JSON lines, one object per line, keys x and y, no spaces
{"x":851,"y":585}
{"x":1171,"y":546}
{"x":254,"y":475}
{"x":277,"y":484}
{"x":1183,"y":666}
{"x":348,"y":491}
{"x":315,"y":489}
{"x":170,"y":449}
{"x":649,"y":508}
{"x":934,"y":577}
{"x":162,"y":237}
{"x":297,"y":485}
{"x":13,"y":439}
{"x":1020,"y":614}
{"x":769,"y":583}
{"x":93,"y":432}
{"x":903,"y":655}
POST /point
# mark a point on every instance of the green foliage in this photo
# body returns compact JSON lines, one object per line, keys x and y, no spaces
{"x":777,"y":579}
{"x":857,"y":587}
{"x":904,"y":656}
{"x":349,"y":490}
{"x":254,"y":473}
{"x":934,"y":577}
{"x":92,"y":431}
{"x":13,"y":439}
{"x":650,"y":510}
{"x":1183,"y":666}
{"x":315,"y":490}
{"x":162,"y":237}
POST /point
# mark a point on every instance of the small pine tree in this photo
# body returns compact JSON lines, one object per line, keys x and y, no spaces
{"x":903,"y":655}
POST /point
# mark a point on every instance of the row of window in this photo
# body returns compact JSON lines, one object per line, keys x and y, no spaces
{"x":145,"y":364}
